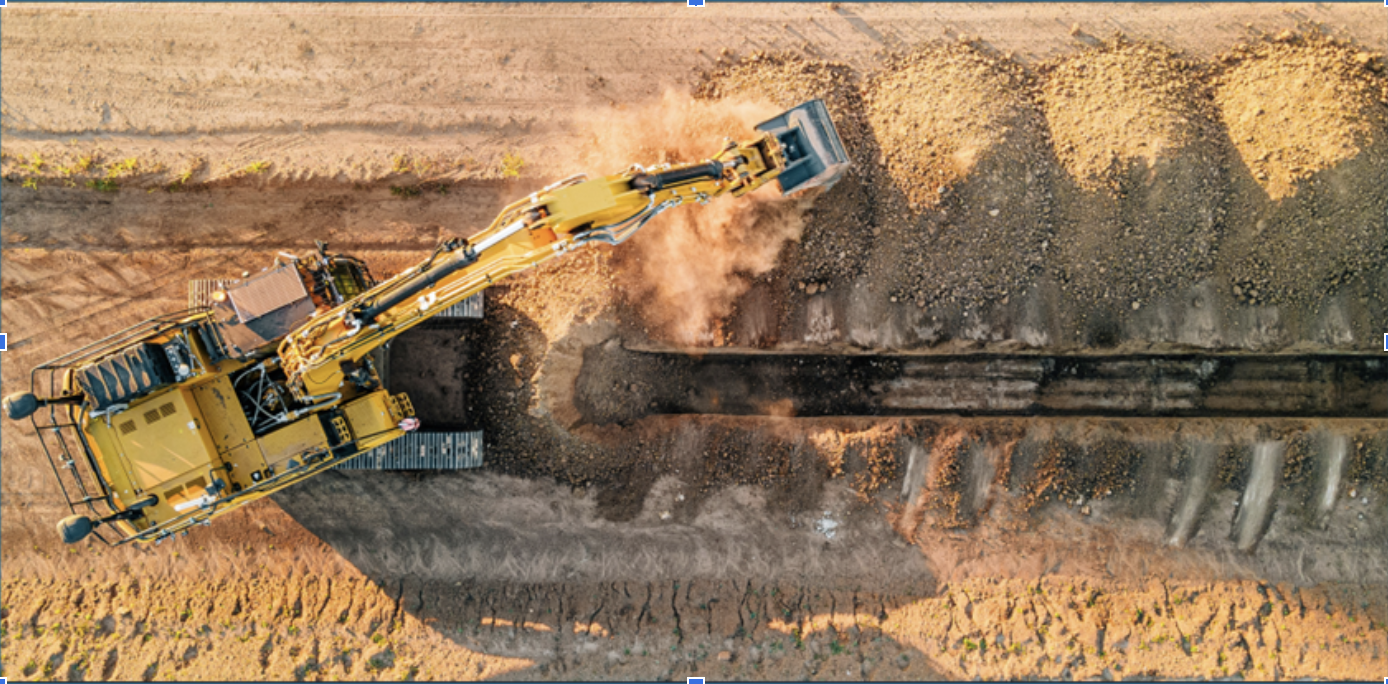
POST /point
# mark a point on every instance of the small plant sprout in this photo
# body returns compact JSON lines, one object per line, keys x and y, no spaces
{"x":511,"y":165}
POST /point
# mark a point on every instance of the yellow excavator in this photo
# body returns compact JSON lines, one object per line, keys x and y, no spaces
{"x":187,"y":416}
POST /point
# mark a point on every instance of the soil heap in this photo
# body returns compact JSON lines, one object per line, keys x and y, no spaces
{"x":965,"y":214}
{"x":1139,"y":207}
{"x":1308,"y":117}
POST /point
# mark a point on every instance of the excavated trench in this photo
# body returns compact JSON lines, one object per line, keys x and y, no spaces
{"x":610,"y":386}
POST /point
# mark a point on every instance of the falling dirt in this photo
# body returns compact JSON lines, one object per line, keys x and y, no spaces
{"x":837,"y":237}
{"x":685,"y":273}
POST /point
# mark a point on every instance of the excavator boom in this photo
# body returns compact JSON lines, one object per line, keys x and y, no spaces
{"x":799,"y":148}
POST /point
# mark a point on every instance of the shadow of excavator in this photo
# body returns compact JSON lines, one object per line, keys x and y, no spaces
{"x":522,"y":559}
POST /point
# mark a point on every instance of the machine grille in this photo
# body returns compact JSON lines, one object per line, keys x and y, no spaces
{"x":423,"y":451}
{"x":268,"y":292}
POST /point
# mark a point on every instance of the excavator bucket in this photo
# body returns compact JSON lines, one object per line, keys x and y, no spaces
{"x":814,"y":153}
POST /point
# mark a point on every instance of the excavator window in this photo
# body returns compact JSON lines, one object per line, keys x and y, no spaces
{"x":348,"y":280}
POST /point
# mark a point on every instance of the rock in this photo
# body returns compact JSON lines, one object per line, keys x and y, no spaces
{"x":725,"y":656}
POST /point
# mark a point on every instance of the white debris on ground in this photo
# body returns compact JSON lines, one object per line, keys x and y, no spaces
{"x":826,"y":525}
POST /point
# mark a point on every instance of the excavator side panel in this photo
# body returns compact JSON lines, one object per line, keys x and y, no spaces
{"x":374,"y":419}
{"x":303,"y":436}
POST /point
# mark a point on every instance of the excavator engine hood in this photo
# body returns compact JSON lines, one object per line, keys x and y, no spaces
{"x":814,"y":153}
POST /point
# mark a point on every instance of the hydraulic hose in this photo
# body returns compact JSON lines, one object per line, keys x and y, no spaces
{"x":652,"y":182}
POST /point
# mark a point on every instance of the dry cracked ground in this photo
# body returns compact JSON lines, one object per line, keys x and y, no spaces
{"x":681,"y":477}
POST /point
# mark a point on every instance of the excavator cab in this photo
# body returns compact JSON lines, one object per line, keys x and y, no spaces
{"x":814,"y":153}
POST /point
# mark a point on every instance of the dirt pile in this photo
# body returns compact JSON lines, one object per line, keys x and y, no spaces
{"x":1139,"y":210}
{"x":836,"y":238}
{"x":589,"y":292}
{"x":1301,"y":104}
{"x":963,"y":142}
{"x":939,"y":111}
{"x":1308,"y":117}
{"x":683,"y":272}
{"x":1121,"y":104}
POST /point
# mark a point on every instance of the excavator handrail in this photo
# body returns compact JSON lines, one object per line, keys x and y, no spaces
{"x":55,"y":429}
{"x":118,"y":340}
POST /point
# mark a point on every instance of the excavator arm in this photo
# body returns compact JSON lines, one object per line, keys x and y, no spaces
{"x":800,"y":149}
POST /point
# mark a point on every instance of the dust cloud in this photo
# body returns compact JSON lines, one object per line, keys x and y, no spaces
{"x":685,"y":269}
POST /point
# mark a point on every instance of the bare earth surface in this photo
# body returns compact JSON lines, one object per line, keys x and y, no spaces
{"x":1084,"y":179}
